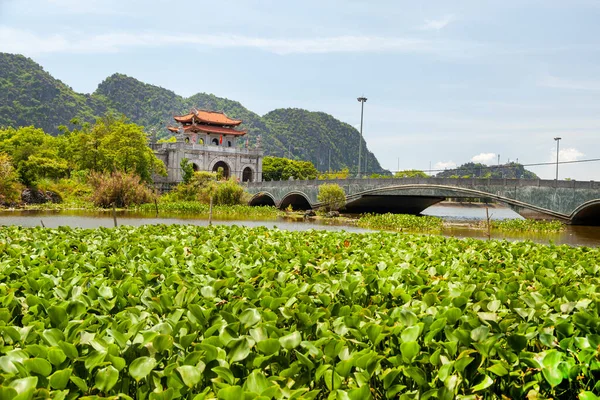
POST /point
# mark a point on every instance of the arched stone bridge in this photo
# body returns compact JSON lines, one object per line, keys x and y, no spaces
{"x":570,"y":201}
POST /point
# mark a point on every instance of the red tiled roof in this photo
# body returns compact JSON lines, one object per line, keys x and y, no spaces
{"x":173,"y":129}
{"x":213,"y":129}
{"x":207,"y":117}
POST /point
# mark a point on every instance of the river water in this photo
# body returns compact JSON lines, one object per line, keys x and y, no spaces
{"x":459,"y":215}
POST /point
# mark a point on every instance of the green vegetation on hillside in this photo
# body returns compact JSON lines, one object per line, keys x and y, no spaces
{"x":30,"y":96}
{"x":313,"y":136}
{"x":510,"y":170}
{"x":282,"y":169}
{"x":230,"y":312}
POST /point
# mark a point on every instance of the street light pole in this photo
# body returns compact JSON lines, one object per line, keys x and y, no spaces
{"x":362,"y":101}
{"x":557,"y":147}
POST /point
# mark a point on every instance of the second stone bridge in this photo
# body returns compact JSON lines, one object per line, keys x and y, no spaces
{"x":571,"y":201}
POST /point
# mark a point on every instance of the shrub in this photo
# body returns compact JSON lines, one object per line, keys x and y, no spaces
{"x":71,"y":190}
{"x":195,"y":190}
{"x":187,"y":170}
{"x":228,"y":193}
{"x":332,"y":196}
{"x":121,"y":188}
{"x":10,"y":189}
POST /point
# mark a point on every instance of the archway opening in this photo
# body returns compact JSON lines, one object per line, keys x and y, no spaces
{"x":263,"y":200}
{"x":195,"y":167}
{"x":222,"y":170}
{"x":296,"y":200}
{"x":215,"y":141}
{"x":589,"y":215}
{"x":247,"y":175}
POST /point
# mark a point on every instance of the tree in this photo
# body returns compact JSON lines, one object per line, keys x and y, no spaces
{"x":187,"y":170}
{"x":279,"y":168}
{"x":9,"y":181}
{"x":113,"y":144}
{"x":411,"y":173}
{"x":34,"y":154}
{"x":332,"y":196}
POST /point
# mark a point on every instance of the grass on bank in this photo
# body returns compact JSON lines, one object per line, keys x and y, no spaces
{"x":400,"y":222}
{"x":528,"y":225}
{"x":201,"y":209}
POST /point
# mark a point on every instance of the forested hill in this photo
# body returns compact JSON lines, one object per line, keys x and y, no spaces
{"x":314,"y":136}
{"x":510,"y":170}
{"x":31,"y":96}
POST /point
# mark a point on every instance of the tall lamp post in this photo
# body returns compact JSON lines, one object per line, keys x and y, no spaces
{"x":557,"y":146}
{"x":362,"y":101}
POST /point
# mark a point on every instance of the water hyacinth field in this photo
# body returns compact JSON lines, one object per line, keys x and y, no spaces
{"x":167,"y":312}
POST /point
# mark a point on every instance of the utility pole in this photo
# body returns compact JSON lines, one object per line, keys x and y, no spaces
{"x":398,"y":170}
{"x":557,"y":147}
{"x":362,"y":101}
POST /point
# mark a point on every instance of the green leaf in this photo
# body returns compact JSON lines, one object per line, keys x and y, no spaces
{"x":80,"y":383}
{"x":38,"y":366}
{"x":498,"y":369}
{"x":290,"y":341}
{"x":162,"y":343}
{"x":480,"y":333}
{"x":106,"y":378}
{"x":69,"y":349}
{"x":517,"y":342}
{"x":225,"y":374}
{"x":409,"y":350}
{"x":483,"y":384}
{"x":141,"y":367}
{"x":411,"y":334}
{"x":58,"y":316}
{"x":241,"y":349}
{"x":250,"y":317}
{"x":231,"y":393}
{"x":190,"y":375}
{"x":24,"y":386}
{"x":268,"y":346}
{"x":56,"y":356}
{"x":60,"y":379}
{"x":332,"y":380}
{"x":94,"y":359}
{"x":256,"y":382}
{"x":588,"y":396}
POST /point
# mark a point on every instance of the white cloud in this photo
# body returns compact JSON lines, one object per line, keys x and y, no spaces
{"x":484,"y":158}
{"x":444,"y":165}
{"x":21,"y":41}
{"x":568,"y":154}
{"x":437,"y":24}
{"x":555,"y":82}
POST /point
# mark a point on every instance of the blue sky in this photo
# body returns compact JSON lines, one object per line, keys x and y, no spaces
{"x":447,"y":82}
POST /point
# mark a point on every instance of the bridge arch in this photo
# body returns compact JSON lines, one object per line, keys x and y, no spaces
{"x":263,"y":199}
{"x":440,"y":192}
{"x":298,"y":201}
{"x":587,"y":214}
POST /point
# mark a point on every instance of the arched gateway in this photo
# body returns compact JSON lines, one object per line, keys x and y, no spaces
{"x":205,"y":136}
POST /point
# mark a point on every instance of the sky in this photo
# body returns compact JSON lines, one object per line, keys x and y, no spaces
{"x":446,"y":82}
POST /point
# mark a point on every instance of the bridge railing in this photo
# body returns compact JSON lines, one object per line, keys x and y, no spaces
{"x":463,"y":182}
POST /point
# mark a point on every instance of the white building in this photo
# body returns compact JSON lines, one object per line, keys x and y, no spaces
{"x":211,"y":142}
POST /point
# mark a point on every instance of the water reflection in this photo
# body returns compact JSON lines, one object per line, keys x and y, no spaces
{"x":574,"y":235}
